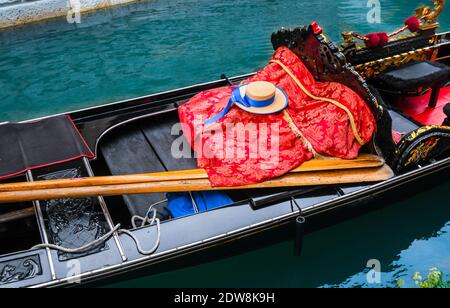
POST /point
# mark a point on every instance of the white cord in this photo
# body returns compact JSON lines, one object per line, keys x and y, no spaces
{"x":105,"y":237}
{"x":158,"y":237}
{"x":145,"y":219}
{"x":81,"y":249}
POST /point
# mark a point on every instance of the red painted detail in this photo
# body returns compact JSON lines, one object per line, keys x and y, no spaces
{"x":316,"y":28}
{"x":417,"y":107}
{"x":413,"y":24}
{"x":378,"y":39}
{"x":384,"y":38}
{"x":397,"y":136}
{"x":91,"y":154}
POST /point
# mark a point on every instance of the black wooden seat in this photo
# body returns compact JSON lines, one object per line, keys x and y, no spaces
{"x":158,"y":132}
{"x":128,"y":152}
{"x":145,"y":147}
{"x":414,"y":76}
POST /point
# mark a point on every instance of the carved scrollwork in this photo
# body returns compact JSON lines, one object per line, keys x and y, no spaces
{"x":374,"y":68}
{"x":422,"y":145}
{"x":428,"y":14}
{"x":73,"y":223}
{"x":19,"y":270}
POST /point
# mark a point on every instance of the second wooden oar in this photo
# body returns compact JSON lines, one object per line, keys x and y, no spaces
{"x":322,"y":164}
{"x":16,"y":215}
{"x":291,"y":180}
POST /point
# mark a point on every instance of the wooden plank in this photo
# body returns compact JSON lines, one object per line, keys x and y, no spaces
{"x":363,"y":175}
{"x":127,"y":153}
{"x":158,"y":132}
{"x":323,"y":164}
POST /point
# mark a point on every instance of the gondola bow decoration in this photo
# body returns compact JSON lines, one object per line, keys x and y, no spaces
{"x":424,"y":19}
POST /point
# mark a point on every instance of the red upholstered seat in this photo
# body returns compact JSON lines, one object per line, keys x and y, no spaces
{"x":417,"y":107}
{"x":325,"y":126}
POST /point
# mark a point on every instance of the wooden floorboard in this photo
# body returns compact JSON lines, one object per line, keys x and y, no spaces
{"x":158,"y":133}
{"x":128,"y":152}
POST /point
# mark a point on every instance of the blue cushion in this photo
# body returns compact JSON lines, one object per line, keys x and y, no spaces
{"x":180,"y":204}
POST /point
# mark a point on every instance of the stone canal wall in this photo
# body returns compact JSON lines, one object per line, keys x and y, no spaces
{"x":19,"y":12}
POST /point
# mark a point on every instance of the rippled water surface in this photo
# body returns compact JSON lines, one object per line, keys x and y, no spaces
{"x":157,"y":45}
{"x":163,"y":44}
{"x":408,"y":236}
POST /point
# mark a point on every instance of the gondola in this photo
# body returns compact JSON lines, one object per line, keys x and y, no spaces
{"x":405,"y":83}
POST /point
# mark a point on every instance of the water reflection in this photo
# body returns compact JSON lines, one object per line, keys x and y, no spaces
{"x":158,"y":45}
{"x":412,"y":235}
{"x":421,"y":255}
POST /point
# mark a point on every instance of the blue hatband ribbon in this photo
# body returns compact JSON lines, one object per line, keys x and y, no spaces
{"x":236,"y":97}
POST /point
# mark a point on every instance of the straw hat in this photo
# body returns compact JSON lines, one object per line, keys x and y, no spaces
{"x":263,"y":97}
{"x":259,"y":97}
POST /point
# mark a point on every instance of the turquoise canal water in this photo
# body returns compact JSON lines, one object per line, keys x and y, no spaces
{"x":159,"y":45}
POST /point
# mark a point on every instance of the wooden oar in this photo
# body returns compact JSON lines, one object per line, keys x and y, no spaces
{"x":362,"y":175}
{"x":322,"y":164}
{"x":16,"y":215}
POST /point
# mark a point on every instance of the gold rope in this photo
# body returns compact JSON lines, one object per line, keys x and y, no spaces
{"x":299,"y":134}
{"x":324,"y":99}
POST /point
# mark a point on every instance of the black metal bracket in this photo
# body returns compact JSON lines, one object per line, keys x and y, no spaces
{"x":224,"y":77}
{"x":300,"y":222}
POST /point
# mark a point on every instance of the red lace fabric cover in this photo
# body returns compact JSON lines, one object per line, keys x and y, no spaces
{"x":326,"y":126}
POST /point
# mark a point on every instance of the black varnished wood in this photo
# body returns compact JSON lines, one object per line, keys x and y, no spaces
{"x":356,"y":56}
{"x":94,"y":128}
{"x":158,"y":132}
{"x":128,"y":152}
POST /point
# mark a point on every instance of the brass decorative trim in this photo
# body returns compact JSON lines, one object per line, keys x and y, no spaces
{"x":426,"y":14}
{"x":374,"y":68}
{"x":429,"y":15}
{"x":422,"y":145}
{"x":422,"y":130}
{"x":422,"y":151}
